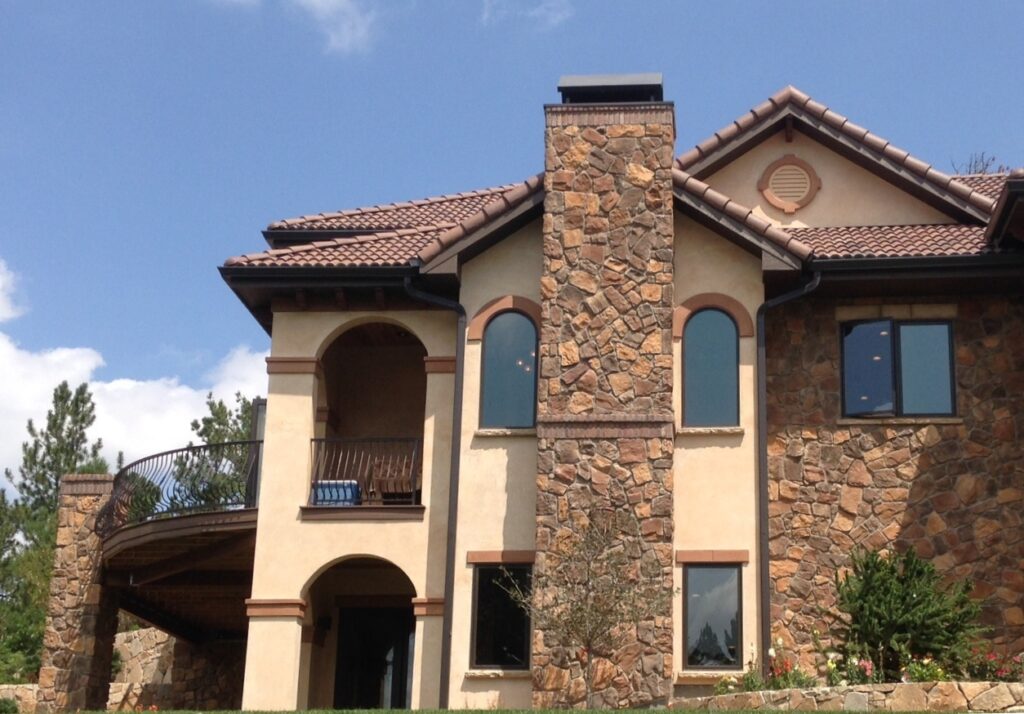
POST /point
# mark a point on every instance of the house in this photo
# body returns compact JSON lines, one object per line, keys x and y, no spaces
{"x":791,"y":340}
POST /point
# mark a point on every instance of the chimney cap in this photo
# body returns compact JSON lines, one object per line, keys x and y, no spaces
{"x":604,"y":88}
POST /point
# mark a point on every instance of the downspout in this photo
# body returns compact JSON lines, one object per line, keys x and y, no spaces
{"x":453,"y":483}
{"x":765,"y":605}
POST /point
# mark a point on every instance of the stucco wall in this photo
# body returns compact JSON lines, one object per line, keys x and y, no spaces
{"x":950,"y":488}
{"x":849,"y":196}
{"x":715,"y":496}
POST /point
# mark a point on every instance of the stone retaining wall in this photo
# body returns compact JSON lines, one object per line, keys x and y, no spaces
{"x":23,"y":694}
{"x":925,"y":696}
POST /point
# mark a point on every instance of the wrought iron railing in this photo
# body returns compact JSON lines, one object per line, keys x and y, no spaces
{"x":356,"y":472}
{"x":212,"y":477}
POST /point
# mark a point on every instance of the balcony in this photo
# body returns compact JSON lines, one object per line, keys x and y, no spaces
{"x":366,"y":472}
{"x":196,"y":479}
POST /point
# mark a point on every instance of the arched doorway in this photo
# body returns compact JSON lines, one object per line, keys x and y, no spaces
{"x":369,"y":445}
{"x":362,"y":636}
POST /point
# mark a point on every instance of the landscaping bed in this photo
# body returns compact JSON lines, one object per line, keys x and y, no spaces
{"x":909,"y":696}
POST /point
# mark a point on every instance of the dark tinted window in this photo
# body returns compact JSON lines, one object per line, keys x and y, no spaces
{"x":712,"y":614}
{"x":710,"y":370}
{"x":509,"y":372}
{"x":868,"y":368}
{"x":501,"y":629}
{"x":925,"y":369}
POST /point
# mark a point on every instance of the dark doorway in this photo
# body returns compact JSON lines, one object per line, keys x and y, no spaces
{"x":374,"y":652}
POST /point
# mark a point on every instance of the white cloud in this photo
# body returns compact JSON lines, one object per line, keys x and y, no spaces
{"x":8,"y":309}
{"x":138,"y":417}
{"x":547,"y":14}
{"x":346,"y":23}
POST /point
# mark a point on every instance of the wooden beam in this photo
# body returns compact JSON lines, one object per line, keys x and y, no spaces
{"x":789,"y":129}
{"x":162,"y":620}
{"x":231,"y":581}
{"x":379,"y":298}
{"x":190,"y":559}
{"x":340,"y":299}
{"x":301,"y":299}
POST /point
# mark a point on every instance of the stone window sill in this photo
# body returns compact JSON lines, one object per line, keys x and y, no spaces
{"x":710,"y":431}
{"x":706,"y":676}
{"x":498,"y":674}
{"x":899,"y":421}
{"x":486,"y":433}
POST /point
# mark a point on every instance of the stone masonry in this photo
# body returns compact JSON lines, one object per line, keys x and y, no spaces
{"x":605,"y":388}
{"x":953,"y":489}
{"x":82,"y":615}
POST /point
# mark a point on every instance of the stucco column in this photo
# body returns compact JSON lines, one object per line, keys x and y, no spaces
{"x":81,"y":618}
{"x":276,"y":673}
{"x":426,"y":653}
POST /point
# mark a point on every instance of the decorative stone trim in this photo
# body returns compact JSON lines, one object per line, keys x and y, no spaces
{"x":439,"y":365}
{"x":710,"y":431}
{"x":910,"y":696}
{"x":275,"y":608}
{"x":568,"y":115}
{"x":500,"y":557}
{"x":896,"y":312}
{"x":361,"y":513}
{"x":729,"y":305}
{"x":508,"y":303}
{"x":427,"y":606}
{"x":899,"y":421}
{"x":605,"y":426}
{"x":86,"y":485}
{"x":292,"y":365}
{"x":684,"y":557}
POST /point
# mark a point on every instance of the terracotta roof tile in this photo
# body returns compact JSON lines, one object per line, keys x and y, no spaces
{"x":984,"y":201}
{"x":384,"y":249}
{"x":449,"y":210}
{"x":987,"y":184}
{"x":894,"y":241}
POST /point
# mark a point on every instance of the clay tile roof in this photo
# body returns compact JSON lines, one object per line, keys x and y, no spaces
{"x":785,"y":240}
{"x":908,"y":241}
{"x":987,"y":184}
{"x":983,"y":200}
{"x":384,"y":249}
{"x":448,"y":209}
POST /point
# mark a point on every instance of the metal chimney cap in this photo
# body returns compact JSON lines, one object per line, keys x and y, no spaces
{"x":598,"y":88}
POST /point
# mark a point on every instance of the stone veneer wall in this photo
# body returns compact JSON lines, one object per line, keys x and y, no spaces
{"x":24,"y":695}
{"x":911,"y":696}
{"x":81,"y":615}
{"x":953,"y":491}
{"x":605,"y":388}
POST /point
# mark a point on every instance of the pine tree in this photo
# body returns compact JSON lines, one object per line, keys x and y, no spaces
{"x":224,"y":424}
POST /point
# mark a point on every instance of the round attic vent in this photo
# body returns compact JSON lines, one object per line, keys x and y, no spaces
{"x":789,"y":183}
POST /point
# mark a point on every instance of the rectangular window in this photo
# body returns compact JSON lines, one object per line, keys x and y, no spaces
{"x":713,"y":629}
{"x":501,"y":629}
{"x":894,"y":368}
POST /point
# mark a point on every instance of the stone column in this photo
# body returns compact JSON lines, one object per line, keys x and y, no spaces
{"x":605,"y":424}
{"x":81,"y":619}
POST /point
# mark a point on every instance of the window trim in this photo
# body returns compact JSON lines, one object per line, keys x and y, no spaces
{"x":682,"y":369}
{"x":483,"y":371}
{"x":687,"y":667}
{"x":473,"y":664}
{"x":897,"y":366}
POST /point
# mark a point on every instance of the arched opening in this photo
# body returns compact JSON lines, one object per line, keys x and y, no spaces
{"x":362,"y":636}
{"x":370,"y":435}
{"x":710,"y":370}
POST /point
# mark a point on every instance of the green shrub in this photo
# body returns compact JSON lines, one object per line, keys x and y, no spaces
{"x":894,"y":611}
{"x":8,"y":706}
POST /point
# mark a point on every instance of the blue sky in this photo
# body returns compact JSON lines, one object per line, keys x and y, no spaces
{"x":142,"y":143}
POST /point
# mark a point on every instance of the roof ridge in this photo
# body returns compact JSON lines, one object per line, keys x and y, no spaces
{"x":741,"y":213}
{"x":879,"y":146}
{"x":503,"y":203}
{"x":381,"y":207}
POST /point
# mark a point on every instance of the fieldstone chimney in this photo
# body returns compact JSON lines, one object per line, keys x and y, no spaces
{"x":605,"y":424}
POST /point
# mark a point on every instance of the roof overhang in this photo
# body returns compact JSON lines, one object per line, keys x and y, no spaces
{"x":1008,"y":216}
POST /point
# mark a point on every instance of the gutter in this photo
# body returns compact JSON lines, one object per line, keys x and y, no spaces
{"x":765,"y":605}
{"x":453,"y":483}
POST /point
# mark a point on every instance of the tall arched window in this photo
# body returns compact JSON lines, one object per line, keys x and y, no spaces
{"x":711,"y":370}
{"x":509,"y":392}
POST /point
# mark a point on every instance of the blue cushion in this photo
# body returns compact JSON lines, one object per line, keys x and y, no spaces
{"x":336,"y":493}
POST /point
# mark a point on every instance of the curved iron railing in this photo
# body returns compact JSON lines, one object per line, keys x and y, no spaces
{"x":210,"y":477}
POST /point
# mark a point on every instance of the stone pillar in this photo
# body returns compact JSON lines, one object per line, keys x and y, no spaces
{"x":81,"y":619}
{"x":605,"y":424}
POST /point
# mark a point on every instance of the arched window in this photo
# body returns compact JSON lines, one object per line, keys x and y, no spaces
{"x":710,"y":370}
{"x":509,"y":392}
